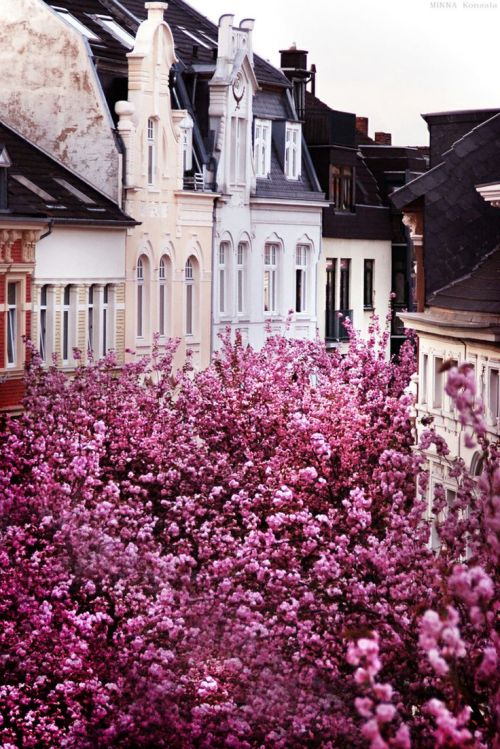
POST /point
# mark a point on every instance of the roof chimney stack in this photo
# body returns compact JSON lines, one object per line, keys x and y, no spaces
{"x":383,"y":139}
{"x":294,"y":66}
{"x":362,"y":125}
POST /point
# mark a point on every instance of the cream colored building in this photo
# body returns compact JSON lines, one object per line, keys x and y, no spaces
{"x":63,"y":68}
{"x":168,"y":265}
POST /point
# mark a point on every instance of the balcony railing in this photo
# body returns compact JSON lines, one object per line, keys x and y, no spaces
{"x":334,"y":324}
{"x":194,"y":181}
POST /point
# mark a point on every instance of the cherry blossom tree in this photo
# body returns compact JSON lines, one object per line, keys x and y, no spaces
{"x":239,"y":558}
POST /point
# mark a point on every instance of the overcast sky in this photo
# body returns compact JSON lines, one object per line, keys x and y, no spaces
{"x":389,"y":60}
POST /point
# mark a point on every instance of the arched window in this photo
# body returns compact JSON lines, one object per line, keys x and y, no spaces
{"x":162,"y":296}
{"x":223,"y":273}
{"x":241,"y":281}
{"x":271,"y":277}
{"x":151,"y":151}
{"x":301,"y":280}
{"x":191,"y":301}
{"x":142,"y":269}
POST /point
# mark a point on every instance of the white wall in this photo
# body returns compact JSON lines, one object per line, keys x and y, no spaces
{"x":81,"y":253}
{"x":357,"y":251}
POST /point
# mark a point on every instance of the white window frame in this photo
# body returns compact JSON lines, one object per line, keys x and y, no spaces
{"x":293,"y":150}
{"x":163,"y":316}
{"x":187,"y":144}
{"x":105,"y":318}
{"x":493,"y":393}
{"x":262,"y":147}
{"x":189,"y":281}
{"x":438,"y":381}
{"x":141,"y":278}
{"x":238,"y":150}
{"x":13,"y":323}
{"x":271,"y":278}
{"x":151,"y":151}
{"x":241,"y":278}
{"x":91,"y":302}
{"x":78,"y":25}
{"x":68,"y":305}
{"x":302,"y":254}
{"x":222,"y":277}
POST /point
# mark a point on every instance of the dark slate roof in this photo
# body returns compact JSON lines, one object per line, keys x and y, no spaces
{"x":479,"y":291}
{"x":129,"y":13}
{"x":29,"y":162}
{"x":460,"y":228}
{"x":270,"y":107}
{"x":278,"y":186}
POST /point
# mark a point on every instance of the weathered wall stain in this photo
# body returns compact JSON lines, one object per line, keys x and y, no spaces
{"x":48,"y":92}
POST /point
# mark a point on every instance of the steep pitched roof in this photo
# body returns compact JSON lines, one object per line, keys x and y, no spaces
{"x":41,"y":187}
{"x":460,"y":228}
{"x":195,"y":35}
{"x":478,"y":291}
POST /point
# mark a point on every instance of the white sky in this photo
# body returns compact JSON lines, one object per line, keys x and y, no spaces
{"x":389,"y":60}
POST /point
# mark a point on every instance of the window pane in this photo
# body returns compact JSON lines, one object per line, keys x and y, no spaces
{"x":140,"y":302}
{"x":240,"y":291}
{"x":162,"y":309}
{"x":344,"y":283}
{"x":189,"y":309}
{"x":438,"y":382}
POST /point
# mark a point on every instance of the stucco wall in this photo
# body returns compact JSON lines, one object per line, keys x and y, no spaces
{"x":83,"y":254}
{"x":357,"y":251}
{"x":50,"y":93}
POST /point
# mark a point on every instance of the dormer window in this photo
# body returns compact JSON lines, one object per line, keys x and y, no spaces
{"x":151,"y":151}
{"x":293,"y":155}
{"x":78,"y":25}
{"x":342,"y":187}
{"x":262,"y":148}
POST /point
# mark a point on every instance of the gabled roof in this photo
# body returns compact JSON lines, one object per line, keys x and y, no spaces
{"x":195,"y":35}
{"x":478,"y":291}
{"x":41,"y":187}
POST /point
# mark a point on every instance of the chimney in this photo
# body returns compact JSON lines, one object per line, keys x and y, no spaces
{"x":362,"y":125}
{"x":294,"y":66}
{"x":383,"y":139}
{"x":313,"y":79}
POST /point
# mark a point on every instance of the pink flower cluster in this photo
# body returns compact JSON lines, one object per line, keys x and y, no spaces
{"x":185,"y":558}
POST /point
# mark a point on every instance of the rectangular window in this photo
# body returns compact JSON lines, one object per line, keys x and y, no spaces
{"x":105,"y":304}
{"x":342,"y":187}
{"x":494,"y":395}
{"x":240,"y":277}
{"x":293,"y":154}
{"x":270,"y":277}
{"x":151,"y":151}
{"x":437,"y":400}
{"x":301,"y":254}
{"x":369,"y":266}
{"x":345,"y":273}
{"x":187,"y":148}
{"x":223,"y":259}
{"x":262,"y":148}
{"x":12,"y":323}
{"x":330,"y":312}
{"x":43,"y":323}
{"x":424,"y":378}
{"x":66,"y":336}
{"x":189,"y":309}
{"x":90,"y":320}
{"x":238,"y":154}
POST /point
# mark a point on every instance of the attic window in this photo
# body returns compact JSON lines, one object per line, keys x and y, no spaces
{"x":193,"y":36}
{"x":110,"y":25}
{"x":78,"y":25}
{"x":74,"y":191}
{"x":34,"y":188}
